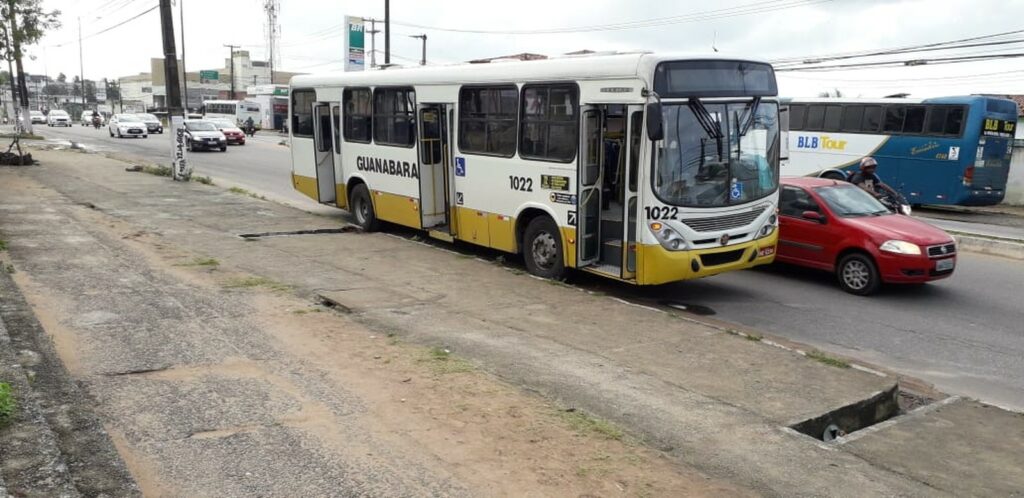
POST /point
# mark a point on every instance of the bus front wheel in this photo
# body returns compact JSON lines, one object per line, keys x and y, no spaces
{"x":362,"y":208}
{"x":542,"y":248}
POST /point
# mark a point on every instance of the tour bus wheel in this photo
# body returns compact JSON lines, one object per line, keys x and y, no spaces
{"x":362,"y":208}
{"x":542,"y":248}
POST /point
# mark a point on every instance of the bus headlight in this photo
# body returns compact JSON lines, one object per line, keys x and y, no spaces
{"x":900,"y":247}
{"x":667,"y":237}
{"x":768,"y":228}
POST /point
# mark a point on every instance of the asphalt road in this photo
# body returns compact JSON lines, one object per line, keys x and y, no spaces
{"x":964,"y":334}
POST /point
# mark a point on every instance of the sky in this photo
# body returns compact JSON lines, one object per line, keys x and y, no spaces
{"x":312,"y":38}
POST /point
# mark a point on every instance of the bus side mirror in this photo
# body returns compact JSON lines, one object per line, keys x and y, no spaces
{"x":655,"y":131}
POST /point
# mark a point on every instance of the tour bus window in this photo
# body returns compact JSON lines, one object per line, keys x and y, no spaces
{"x":797,"y":114}
{"x":815,"y":117}
{"x":852,"y":116}
{"x":914,"y":122}
{"x":955,"y":121}
{"x":936,"y":120}
{"x":394,"y":116}
{"x":487,"y":120}
{"x":872,"y":119}
{"x":894,"y":115}
{"x":550,"y":122}
{"x":833,"y":114}
{"x":358,"y":115}
{"x":302,"y":113}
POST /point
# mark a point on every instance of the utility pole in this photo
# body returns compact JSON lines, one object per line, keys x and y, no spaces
{"x":22,"y":86}
{"x":373,"y":41}
{"x":232,"y":62}
{"x":387,"y":32}
{"x":423,"y":57}
{"x":81,"y":65}
{"x":184,"y":72}
{"x":179,"y":167}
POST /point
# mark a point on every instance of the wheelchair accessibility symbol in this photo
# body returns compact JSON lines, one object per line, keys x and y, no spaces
{"x":736,"y":191}
{"x":460,"y":166}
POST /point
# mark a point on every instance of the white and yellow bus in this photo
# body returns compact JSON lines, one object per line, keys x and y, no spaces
{"x":640,"y":167}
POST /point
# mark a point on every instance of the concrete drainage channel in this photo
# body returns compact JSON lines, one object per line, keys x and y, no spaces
{"x":261,"y":235}
{"x":843,"y":423}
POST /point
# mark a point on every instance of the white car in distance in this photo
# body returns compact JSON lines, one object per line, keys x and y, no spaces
{"x":58,"y":117}
{"x":127,"y":125}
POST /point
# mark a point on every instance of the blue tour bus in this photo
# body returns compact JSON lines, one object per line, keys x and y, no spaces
{"x":949,"y":150}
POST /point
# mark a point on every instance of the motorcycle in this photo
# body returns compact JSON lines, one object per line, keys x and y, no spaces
{"x":96,"y":123}
{"x":896,"y":203}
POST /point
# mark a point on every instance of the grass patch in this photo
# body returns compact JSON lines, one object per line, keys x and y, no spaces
{"x":3,"y":245}
{"x":820,"y":357}
{"x":157,"y":170}
{"x":239,"y":190}
{"x":754,"y":337}
{"x":9,"y":268}
{"x":7,"y":404}
{"x":201,"y":262}
{"x":303,"y":311}
{"x":205,"y":180}
{"x":251,"y":282}
{"x":442,"y":362}
{"x":585,"y":424}
{"x":23,"y":136}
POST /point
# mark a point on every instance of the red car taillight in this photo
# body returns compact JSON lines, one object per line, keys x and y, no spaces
{"x":969,"y":175}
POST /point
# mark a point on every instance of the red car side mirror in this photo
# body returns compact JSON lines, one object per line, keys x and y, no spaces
{"x":813,"y":216}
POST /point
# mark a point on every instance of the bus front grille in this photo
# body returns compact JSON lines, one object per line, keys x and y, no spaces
{"x":719,"y":223}
{"x":721,"y":258}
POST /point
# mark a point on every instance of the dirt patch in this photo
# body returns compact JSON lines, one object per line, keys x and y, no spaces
{"x":492,"y":437}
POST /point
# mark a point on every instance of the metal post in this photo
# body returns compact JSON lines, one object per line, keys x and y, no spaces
{"x":423,"y":57}
{"x":179,"y":168}
{"x":373,"y":42}
{"x":232,"y":62}
{"x":387,"y":32}
{"x":81,"y":65}
{"x":184,"y":71}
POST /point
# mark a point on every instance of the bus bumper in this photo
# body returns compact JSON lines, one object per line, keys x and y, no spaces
{"x":658,"y":265}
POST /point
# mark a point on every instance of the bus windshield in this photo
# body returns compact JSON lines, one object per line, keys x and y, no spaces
{"x":717,"y":154}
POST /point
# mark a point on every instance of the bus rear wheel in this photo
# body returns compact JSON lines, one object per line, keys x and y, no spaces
{"x":542,"y":248}
{"x":362,"y":208}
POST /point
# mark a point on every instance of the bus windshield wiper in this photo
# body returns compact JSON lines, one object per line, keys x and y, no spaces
{"x":705,"y":121}
{"x":750,"y":117}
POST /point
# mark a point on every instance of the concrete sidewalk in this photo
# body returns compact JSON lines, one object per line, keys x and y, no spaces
{"x":709,"y":399}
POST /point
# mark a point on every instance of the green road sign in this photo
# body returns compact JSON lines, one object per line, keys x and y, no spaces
{"x":209,"y":75}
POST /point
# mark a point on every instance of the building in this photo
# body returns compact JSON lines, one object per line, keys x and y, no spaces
{"x":148,"y":90}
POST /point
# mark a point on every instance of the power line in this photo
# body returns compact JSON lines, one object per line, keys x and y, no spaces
{"x":903,"y":63}
{"x":814,"y":59}
{"x":752,"y":8}
{"x":122,"y":23}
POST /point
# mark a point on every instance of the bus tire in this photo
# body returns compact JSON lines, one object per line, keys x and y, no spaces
{"x":362,"y":208}
{"x":858,"y":274}
{"x":542,"y":248}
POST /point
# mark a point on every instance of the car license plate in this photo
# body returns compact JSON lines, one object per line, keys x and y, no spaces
{"x":945,"y":264}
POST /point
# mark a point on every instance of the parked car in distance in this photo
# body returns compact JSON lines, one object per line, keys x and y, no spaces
{"x":58,"y":117}
{"x":37,"y":117}
{"x":232,"y":132}
{"x":153,"y":124}
{"x":838,"y":227}
{"x":87,"y":118}
{"x":201,"y":135}
{"x":126,"y":125}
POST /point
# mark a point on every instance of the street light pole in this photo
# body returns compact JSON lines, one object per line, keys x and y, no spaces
{"x":81,"y":65}
{"x":423,"y":57}
{"x":184,"y":71}
{"x":232,"y":62}
{"x":387,"y":32}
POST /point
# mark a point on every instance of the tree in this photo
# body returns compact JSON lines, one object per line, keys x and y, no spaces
{"x":62,"y":78}
{"x":113,"y":90}
{"x":833,"y":94}
{"x":23,"y":23}
{"x":76,"y":87}
{"x":90,"y":91}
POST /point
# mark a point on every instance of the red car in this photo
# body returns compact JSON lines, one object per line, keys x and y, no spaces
{"x":835,"y":226}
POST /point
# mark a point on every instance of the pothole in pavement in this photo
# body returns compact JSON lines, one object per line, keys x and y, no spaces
{"x":847,"y":420}
{"x":288,"y":233}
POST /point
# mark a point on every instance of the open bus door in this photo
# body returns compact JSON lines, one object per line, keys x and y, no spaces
{"x":323,"y":134}
{"x":436,"y":185}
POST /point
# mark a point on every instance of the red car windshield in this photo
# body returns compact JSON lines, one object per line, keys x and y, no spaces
{"x":850,"y":200}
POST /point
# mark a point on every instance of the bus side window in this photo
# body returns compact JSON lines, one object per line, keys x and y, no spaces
{"x":872,"y":119}
{"x":894,"y":115}
{"x":914,"y":122}
{"x":833,"y":115}
{"x":954,"y":121}
{"x":636,"y":127}
{"x":852,"y":117}
{"x":797,"y":114}
{"x":394,"y":118}
{"x":815,"y":117}
{"x":550,"y":126}
{"x":358,"y":115}
{"x":936,"y":120}
{"x":302,"y":113}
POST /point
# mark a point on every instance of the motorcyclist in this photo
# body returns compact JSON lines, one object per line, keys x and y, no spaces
{"x":95,"y":119}
{"x":871,"y":182}
{"x":250,"y":126}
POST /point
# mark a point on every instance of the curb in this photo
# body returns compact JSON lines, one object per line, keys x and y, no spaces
{"x":1007,"y":248}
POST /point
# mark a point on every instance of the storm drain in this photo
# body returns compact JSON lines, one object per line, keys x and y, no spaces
{"x":860,"y":415}
{"x":312,"y":231}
